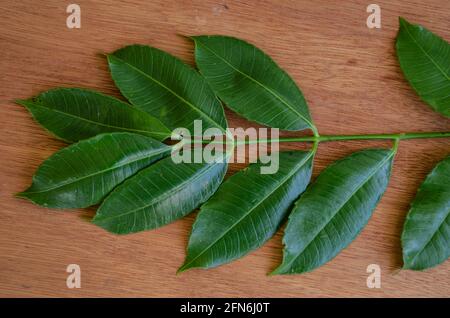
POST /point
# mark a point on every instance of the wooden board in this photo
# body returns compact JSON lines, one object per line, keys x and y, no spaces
{"x":348,"y":73}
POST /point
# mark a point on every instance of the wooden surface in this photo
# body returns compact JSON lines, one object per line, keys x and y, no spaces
{"x":352,"y":82}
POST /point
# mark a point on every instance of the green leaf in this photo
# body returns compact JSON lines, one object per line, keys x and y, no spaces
{"x":165,"y":87}
{"x":158,"y":195}
{"x":334,"y":209}
{"x":73,"y":114}
{"x":426,"y":234}
{"x":246,"y":211}
{"x":425,"y":60}
{"x":83,"y":173}
{"x":251,"y":83}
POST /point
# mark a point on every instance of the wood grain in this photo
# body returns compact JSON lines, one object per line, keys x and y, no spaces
{"x":353,"y":84}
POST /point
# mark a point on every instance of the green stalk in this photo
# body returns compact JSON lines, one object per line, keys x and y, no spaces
{"x":327,"y":138}
{"x":401,"y":136}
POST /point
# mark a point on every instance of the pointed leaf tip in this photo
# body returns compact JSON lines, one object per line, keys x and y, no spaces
{"x":183,"y":268}
{"x":21,"y":194}
{"x":274,"y":272}
{"x":184,"y":36}
{"x":21,"y":101}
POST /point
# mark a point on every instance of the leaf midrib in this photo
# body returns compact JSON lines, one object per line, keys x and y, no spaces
{"x":202,"y":113}
{"x":310,"y":124}
{"x":98,"y":123}
{"x":286,"y":178}
{"x":100,"y":172}
{"x":406,"y":26}
{"x":375,"y":170}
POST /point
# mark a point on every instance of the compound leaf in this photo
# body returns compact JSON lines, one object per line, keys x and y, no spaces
{"x":426,"y":233}
{"x":165,"y":87}
{"x":73,"y":114}
{"x":251,"y":83}
{"x":334,"y":209}
{"x":158,"y":195}
{"x":425,"y":60}
{"x":246,"y":211}
{"x":81,"y":174}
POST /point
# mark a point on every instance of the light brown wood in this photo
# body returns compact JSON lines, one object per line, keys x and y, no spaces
{"x":353,"y":84}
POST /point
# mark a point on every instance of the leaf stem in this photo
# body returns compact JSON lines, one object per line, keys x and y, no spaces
{"x":400,"y":136}
{"x":395,"y":146}
{"x":328,"y":138}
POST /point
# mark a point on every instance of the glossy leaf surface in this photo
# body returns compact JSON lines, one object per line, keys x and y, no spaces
{"x":73,"y":114}
{"x":81,"y":174}
{"x":165,"y":87}
{"x":425,"y":60}
{"x":334,"y":209}
{"x":246,"y":211}
{"x":426,"y":234}
{"x":158,"y":195}
{"x":251,"y":83}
